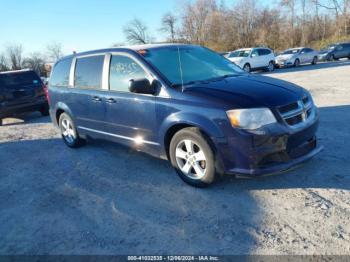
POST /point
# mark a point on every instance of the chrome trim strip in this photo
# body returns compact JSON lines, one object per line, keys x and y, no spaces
{"x":117,"y":136}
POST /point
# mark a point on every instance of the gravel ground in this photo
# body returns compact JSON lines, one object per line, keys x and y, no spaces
{"x":106,"y":199}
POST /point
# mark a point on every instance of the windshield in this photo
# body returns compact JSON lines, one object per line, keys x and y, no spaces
{"x":240,"y":53}
{"x":291,"y":52}
{"x":197,"y":64}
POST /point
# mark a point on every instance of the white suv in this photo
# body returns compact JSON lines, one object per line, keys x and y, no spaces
{"x":253,"y":58}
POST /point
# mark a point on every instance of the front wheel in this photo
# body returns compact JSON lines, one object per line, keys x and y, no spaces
{"x":296,"y":63}
{"x":247,"y":68}
{"x":192,"y":157}
{"x":68,"y":131}
{"x":270,"y":67}
{"x":314,"y":61}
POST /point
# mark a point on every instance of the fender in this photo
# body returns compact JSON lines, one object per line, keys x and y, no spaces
{"x":189,"y":118}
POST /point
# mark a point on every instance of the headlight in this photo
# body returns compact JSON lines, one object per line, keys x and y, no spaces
{"x":252,"y":118}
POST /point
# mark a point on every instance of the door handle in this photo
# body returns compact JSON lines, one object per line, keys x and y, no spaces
{"x":97,"y":99}
{"x":111,"y":100}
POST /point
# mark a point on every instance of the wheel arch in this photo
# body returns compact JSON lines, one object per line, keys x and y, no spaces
{"x":61,"y":108}
{"x":170,"y":128}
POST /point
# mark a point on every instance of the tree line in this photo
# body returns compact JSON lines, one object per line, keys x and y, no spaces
{"x":214,"y":24}
{"x":13,"y":59}
{"x":248,"y":23}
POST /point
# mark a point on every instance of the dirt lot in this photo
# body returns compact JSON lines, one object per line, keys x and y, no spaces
{"x":105,"y":199}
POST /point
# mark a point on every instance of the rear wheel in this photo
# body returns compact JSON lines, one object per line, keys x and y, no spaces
{"x":247,"y":68}
{"x":314,"y":61}
{"x":44,"y":111}
{"x":68,"y":131}
{"x":192,"y":157}
{"x":296,"y":63}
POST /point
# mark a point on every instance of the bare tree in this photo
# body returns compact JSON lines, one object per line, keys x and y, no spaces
{"x":3,"y":63}
{"x":168,"y":26}
{"x":54,"y":51}
{"x":35,"y":62}
{"x":136,"y":32}
{"x":14,"y":54}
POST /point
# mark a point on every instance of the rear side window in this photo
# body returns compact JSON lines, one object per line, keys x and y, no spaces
{"x":88,"y":72}
{"x":60,"y":73}
{"x":121,"y":71}
{"x":264,"y":52}
{"x":19,"y":79}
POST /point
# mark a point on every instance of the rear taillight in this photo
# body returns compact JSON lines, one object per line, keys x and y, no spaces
{"x":46,"y":90}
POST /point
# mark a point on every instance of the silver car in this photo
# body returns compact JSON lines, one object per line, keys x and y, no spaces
{"x":296,"y":57}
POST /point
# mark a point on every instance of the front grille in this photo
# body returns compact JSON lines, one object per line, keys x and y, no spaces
{"x":297,"y":112}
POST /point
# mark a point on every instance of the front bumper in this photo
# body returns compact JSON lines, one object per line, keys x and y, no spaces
{"x":277,"y":150}
{"x":282,"y":63}
{"x":322,"y":58}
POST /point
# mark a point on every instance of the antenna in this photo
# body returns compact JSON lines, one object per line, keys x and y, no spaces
{"x":180,"y":64}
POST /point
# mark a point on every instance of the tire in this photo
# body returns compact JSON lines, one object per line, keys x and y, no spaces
{"x":296,"y":62}
{"x":68,"y":131}
{"x":192,"y":157}
{"x":332,"y":58}
{"x":270,"y":67}
{"x":247,"y":68}
{"x":314,"y":61}
{"x":45,"y":111}
{"x":0,"y":121}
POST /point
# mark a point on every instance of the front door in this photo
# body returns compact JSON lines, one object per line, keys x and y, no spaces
{"x":130,"y":117}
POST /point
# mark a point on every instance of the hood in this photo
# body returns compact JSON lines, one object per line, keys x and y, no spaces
{"x":285,"y":57}
{"x":248,"y":91}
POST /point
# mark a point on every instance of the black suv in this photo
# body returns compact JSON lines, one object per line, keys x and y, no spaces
{"x":22,"y":91}
{"x":335,"y":52}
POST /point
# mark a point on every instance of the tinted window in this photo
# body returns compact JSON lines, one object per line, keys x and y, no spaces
{"x":122,"y":70}
{"x":19,"y":79}
{"x":240,"y":53}
{"x":308,"y":50}
{"x":264,"y":51}
{"x":60,"y":73}
{"x":88,"y":72}
{"x":255,"y":52}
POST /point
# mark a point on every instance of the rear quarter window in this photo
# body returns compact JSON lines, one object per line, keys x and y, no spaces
{"x":60,"y":73}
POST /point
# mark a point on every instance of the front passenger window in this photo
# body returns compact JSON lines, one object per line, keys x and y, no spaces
{"x":121,"y":71}
{"x":255,"y":53}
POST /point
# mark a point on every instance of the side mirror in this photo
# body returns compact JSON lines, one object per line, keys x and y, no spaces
{"x":253,"y":55}
{"x":142,"y":86}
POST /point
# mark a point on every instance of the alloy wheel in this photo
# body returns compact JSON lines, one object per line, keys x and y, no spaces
{"x":271,"y":67}
{"x":191,"y":159}
{"x":68,"y":131}
{"x":246,"y":68}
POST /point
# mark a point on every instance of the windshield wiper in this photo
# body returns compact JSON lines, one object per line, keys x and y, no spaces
{"x":204,"y":80}
{"x":186,"y":84}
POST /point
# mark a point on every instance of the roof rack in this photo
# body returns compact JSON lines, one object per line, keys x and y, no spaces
{"x":15,"y":71}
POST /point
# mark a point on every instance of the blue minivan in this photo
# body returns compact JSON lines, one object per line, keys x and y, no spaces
{"x":187,"y":104}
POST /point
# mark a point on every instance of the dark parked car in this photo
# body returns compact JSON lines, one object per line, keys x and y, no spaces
{"x":22,"y":91}
{"x":335,"y":52}
{"x":187,"y":104}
